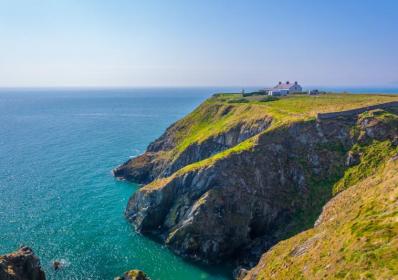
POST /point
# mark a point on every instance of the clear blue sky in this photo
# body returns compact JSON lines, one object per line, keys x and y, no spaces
{"x":198,"y":43}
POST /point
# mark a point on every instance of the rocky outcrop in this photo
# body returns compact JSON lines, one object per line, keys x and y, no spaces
{"x":21,"y":265}
{"x":354,"y":112}
{"x":161,"y":159}
{"x":134,"y":274}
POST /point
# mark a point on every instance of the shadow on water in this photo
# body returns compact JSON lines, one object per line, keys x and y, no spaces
{"x":223,"y":269}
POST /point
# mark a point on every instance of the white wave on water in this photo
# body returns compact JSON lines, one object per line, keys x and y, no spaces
{"x":137,"y":152}
{"x":63,"y":263}
{"x":126,"y":115}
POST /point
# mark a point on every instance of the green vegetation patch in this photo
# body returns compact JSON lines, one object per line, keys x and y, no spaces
{"x":372,"y":159}
{"x":372,"y":155}
{"x":213,"y":118}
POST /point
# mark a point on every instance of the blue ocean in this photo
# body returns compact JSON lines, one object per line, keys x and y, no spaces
{"x":57,"y":193}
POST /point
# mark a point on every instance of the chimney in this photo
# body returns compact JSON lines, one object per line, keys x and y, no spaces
{"x":295,"y":82}
{"x":280,"y":82}
{"x":287,"y":82}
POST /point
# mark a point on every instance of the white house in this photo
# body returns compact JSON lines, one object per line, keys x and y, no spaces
{"x":282,"y":89}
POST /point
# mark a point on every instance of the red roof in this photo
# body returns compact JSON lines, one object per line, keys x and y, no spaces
{"x":286,"y":85}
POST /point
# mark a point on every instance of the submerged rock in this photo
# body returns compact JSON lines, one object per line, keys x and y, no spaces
{"x":134,"y":274}
{"x":21,"y":265}
{"x":57,"y":264}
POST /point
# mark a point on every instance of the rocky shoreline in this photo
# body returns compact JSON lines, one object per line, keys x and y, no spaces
{"x":23,"y":264}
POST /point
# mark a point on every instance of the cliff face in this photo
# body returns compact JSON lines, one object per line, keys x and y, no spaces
{"x":21,"y":265}
{"x":211,"y":212}
{"x":235,"y":204}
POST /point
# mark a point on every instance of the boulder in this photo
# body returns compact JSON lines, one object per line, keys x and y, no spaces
{"x":134,"y":274}
{"x":21,"y":265}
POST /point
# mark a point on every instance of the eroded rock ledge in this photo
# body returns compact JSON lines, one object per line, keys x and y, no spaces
{"x":153,"y":164}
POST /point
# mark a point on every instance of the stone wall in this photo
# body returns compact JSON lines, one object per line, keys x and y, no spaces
{"x":348,"y":113}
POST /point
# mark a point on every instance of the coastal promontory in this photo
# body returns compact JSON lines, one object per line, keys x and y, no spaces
{"x":240,"y":174}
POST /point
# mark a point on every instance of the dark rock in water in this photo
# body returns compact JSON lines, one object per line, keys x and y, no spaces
{"x":56,"y":265}
{"x":21,"y":265}
{"x":138,"y":169}
{"x":134,"y":274}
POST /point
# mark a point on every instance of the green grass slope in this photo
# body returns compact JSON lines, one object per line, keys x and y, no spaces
{"x":356,"y":236}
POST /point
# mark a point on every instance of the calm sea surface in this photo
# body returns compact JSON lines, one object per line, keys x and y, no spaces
{"x":57,"y":194}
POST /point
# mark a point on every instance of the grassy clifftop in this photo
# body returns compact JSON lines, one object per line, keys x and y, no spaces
{"x":356,"y":237}
{"x":225,"y":111}
{"x":302,"y":107}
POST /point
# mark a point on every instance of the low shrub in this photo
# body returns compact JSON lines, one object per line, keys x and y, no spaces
{"x":269,"y":98}
{"x":238,"y":100}
{"x":254,"y":93}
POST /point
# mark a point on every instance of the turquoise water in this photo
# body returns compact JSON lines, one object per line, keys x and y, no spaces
{"x":57,"y":194}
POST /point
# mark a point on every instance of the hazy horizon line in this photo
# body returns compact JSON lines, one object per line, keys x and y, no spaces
{"x":194,"y":86}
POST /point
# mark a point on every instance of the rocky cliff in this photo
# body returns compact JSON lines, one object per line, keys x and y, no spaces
{"x":21,"y":265}
{"x":356,"y":236}
{"x":241,"y":184}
